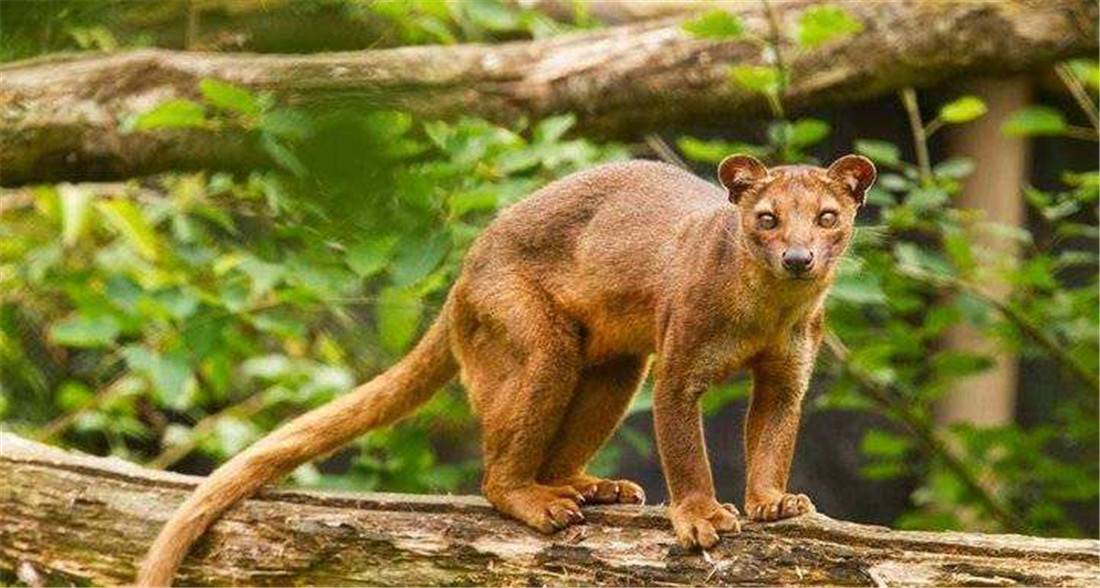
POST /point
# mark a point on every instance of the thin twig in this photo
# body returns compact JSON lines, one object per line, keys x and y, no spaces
{"x":924,"y":433}
{"x":775,"y":100}
{"x":1079,"y":93}
{"x":920,"y":138}
{"x":62,"y":422}
{"x":664,"y":150}
{"x":173,"y":453}
{"x":1082,"y":133}
{"x":1036,"y":333}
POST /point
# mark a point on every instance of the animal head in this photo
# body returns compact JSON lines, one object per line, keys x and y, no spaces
{"x":796,"y":220}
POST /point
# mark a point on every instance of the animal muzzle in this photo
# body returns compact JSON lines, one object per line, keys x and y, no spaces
{"x":798,"y":260}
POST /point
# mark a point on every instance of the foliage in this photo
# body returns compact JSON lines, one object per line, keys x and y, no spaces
{"x":924,"y":267}
{"x":199,"y":311}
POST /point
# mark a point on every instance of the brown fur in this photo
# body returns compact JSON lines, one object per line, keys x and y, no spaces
{"x":550,"y":324}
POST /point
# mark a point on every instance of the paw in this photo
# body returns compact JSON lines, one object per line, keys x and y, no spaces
{"x":781,"y":506}
{"x":601,"y":491}
{"x":697,"y":522}
{"x":545,"y":508}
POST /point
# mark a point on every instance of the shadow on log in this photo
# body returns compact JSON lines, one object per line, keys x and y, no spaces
{"x":70,"y":518}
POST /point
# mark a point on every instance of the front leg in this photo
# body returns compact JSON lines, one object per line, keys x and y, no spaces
{"x":696,"y":515}
{"x":780,"y":380}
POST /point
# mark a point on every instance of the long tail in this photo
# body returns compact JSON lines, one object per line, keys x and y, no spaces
{"x":385,"y":399}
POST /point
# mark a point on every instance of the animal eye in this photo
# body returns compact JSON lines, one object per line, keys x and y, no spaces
{"x":766,"y":221}
{"x":827,"y":219}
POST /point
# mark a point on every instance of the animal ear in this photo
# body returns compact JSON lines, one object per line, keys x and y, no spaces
{"x":740,"y":172}
{"x":856,"y":173}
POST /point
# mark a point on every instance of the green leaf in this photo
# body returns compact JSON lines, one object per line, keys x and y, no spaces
{"x":1035,"y":120}
{"x":808,"y":131}
{"x":169,"y":375}
{"x":74,"y":395}
{"x":397,"y":315}
{"x":758,"y":78}
{"x":880,"y":151}
{"x":128,"y":220}
{"x":927,"y":198}
{"x":716,"y":24}
{"x":234,"y":434}
{"x":719,"y":396}
{"x":480,"y":198}
{"x":714,"y":151}
{"x":856,"y":289}
{"x":1088,"y":71}
{"x":822,"y":23}
{"x":955,"y":168}
{"x":283,"y":156}
{"x":417,"y":257}
{"x":961,"y":110}
{"x":75,"y":202}
{"x":229,"y":97}
{"x":263,"y":275}
{"x":493,"y":15}
{"x":173,"y":114}
{"x":85,"y":331}
{"x":368,"y":256}
{"x":553,"y":128}
{"x":884,"y":445}
{"x":287,"y":123}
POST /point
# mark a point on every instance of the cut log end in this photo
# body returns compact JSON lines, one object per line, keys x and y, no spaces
{"x":70,"y":518}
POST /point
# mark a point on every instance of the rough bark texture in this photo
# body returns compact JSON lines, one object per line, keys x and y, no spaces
{"x":61,"y":114}
{"x":71,"y":518}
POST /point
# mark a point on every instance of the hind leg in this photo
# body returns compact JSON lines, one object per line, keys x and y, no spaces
{"x":602,"y":397}
{"x":521,"y":364}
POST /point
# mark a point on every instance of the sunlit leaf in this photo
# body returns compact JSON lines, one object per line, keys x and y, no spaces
{"x":172,"y":114}
{"x":964,"y":109}
{"x":715,"y":24}
{"x":1088,"y":71}
{"x":1035,"y":120}
{"x":128,"y":220}
{"x":758,"y":78}
{"x":806,"y":132}
{"x":822,"y":23}
{"x":229,"y":97}
{"x":75,"y":203}
{"x":85,"y":331}
{"x":714,"y":151}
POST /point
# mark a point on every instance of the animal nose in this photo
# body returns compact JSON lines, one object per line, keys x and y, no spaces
{"x":798,"y":259}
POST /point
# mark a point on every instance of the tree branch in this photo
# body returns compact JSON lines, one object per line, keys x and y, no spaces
{"x":61,"y":114}
{"x":69,"y":518}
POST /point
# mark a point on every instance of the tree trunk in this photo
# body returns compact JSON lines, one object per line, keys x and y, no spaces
{"x":61,"y":114}
{"x":992,"y":194}
{"x":69,"y":518}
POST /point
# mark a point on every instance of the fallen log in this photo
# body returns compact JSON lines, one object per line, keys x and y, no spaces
{"x":61,"y":114}
{"x":70,"y":518}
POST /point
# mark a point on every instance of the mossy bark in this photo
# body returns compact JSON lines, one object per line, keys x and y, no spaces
{"x":72,"y":519}
{"x":61,"y":115}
